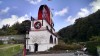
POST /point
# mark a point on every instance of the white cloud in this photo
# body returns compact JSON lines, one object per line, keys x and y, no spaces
{"x":3,"y":11}
{"x":82,"y":13}
{"x":95,"y":5}
{"x":70,"y":20}
{"x":13,"y":19}
{"x":62,"y":12}
{"x":34,"y":1}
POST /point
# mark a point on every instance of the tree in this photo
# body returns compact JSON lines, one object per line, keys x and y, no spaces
{"x":83,"y":29}
{"x":17,"y":28}
{"x":1,"y":42}
{"x":24,"y":27}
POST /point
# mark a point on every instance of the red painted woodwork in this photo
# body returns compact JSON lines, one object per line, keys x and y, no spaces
{"x":47,"y":14}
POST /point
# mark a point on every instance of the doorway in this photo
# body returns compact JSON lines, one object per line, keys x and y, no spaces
{"x":35,"y":47}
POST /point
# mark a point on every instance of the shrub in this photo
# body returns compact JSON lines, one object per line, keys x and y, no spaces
{"x":91,"y":48}
{"x":66,"y":47}
{"x":1,"y":42}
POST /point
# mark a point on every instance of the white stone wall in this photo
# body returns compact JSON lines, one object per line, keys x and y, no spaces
{"x":42,"y":38}
{"x":41,"y":47}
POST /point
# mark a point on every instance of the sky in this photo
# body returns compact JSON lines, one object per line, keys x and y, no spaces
{"x":65,"y":12}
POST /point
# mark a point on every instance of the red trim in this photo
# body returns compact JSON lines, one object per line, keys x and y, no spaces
{"x":50,"y":26}
{"x":24,"y":52}
{"x":48,"y":14}
{"x":35,"y":25}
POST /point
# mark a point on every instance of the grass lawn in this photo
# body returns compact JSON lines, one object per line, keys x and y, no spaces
{"x":98,"y":46}
{"x":10,"y":50}
{"x":5,"y":45}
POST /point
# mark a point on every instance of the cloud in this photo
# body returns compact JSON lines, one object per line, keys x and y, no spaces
{"x":34,"y":1}
{"x":95,"y":5}
{"x":70,"y":20}
{"x":13,"y":19}
{"x":62,"y":12}
{"x":82,"y":13}
{"x":3,"y":11}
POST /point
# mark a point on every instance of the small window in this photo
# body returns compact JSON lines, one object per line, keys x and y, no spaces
{"x":29,"y":48}
{"x":47,"y":27}
{"x":55,"y":40}
{"x":51,"y":39}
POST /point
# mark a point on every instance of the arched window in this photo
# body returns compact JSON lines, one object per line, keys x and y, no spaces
{"x":51,"y":39}
{"x":55,"y":40}
{"x":47,"y":28}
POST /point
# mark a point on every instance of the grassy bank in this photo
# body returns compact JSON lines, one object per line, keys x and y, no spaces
{"x":5,"y":45}
{"x":10,"y":50}
{"x":66,"y":46}
{"x":98,"y":50}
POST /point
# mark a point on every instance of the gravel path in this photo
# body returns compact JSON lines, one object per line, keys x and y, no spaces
{"x":61,"y":54}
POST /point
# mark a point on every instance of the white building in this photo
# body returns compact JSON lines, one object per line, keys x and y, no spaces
{"x":41,"y":36}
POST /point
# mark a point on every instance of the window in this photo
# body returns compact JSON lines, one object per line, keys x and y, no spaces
{"x":51,"y":39}
{"x":55,"y":40}
{"x":47,"y":27}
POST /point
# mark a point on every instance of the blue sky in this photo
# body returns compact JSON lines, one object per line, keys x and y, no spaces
{"x":65,"y":12}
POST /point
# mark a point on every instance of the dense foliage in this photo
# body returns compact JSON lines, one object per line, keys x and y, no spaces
{"x":66,"y":46}
{"x":92,"y":48}
{"x":83,"y":29}
{"x":1,"y":42}
{"x":17,"y":28}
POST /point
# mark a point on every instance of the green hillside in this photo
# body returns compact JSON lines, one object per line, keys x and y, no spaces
{"x":83,"y":29}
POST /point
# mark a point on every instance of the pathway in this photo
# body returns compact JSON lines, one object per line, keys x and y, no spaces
{"x":61,"y":54}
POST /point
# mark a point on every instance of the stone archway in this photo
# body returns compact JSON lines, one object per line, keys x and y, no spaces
{"x":35,"y":47}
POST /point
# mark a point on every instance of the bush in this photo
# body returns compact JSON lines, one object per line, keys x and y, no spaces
{"x":92,"y":49}
{"x":1,"y":42}
{"x":66,"y":47}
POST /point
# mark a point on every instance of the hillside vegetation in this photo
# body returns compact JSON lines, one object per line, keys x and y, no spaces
{"x":82,"y":30}
{"x":17,"y":28}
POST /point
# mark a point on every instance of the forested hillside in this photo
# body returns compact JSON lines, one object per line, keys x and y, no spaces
{"x":83,"y":29}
